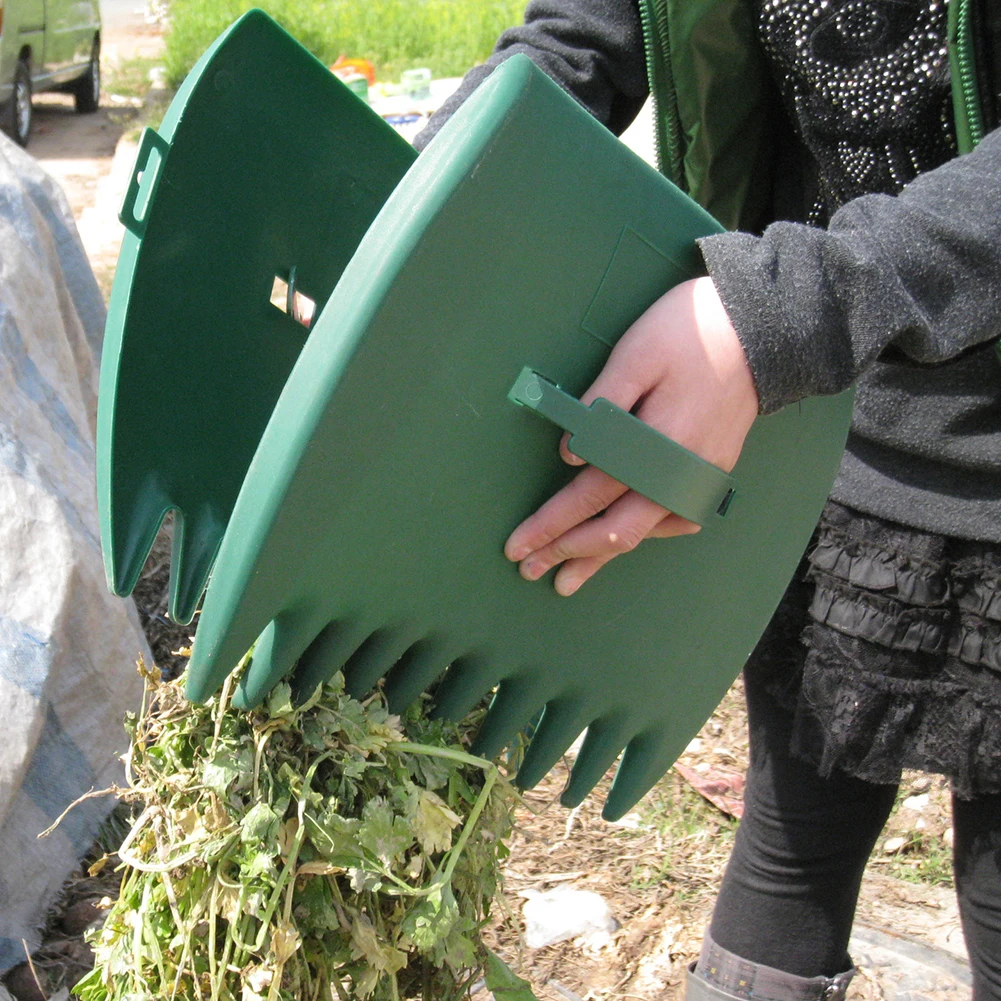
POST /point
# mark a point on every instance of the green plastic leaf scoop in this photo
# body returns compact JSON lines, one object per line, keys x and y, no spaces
{"x":420,"y":424}
{"x":227,"y":259}
{"x":417,"y":422}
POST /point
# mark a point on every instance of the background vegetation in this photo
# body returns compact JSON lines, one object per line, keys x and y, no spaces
{"x":448,"y":36}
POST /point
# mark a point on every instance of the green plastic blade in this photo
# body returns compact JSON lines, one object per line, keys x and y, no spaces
{"x":373,"y":516}
{"x":222,"y":203}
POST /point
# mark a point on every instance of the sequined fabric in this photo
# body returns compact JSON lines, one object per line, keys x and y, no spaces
{"x":867,"y":85}
{"x":888,"y":649}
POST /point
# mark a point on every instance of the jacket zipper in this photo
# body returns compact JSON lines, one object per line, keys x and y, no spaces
{"x":667,"y":125}
{"x":966,"y":96}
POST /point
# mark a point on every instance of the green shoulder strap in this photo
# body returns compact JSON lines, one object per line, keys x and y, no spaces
{"x":962,"y":65}
{"x":713,"y":102}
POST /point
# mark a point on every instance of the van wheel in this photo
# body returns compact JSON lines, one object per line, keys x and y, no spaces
{"x":18,"y":112}
{"x":87,"y":89}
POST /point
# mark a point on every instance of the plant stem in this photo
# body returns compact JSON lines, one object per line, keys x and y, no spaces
{"x":220,"y":710}
{"x":213,"y":966}
{"x":293,"y":854}
{"x":467,"y":828}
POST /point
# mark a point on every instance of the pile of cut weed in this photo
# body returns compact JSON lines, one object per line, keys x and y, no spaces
{"x":330,"y":850}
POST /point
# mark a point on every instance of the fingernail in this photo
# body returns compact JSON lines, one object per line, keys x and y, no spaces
{"x":532,"y":570}
{"x":517,"y":553}
{"x":565,"y":588}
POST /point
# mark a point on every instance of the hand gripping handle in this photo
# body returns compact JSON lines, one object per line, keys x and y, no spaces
{"x":630,"y":451}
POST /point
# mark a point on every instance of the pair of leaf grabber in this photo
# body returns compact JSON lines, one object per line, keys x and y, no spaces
{"x":346,"y":463}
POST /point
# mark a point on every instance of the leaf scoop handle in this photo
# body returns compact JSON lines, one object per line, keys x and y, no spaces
{"x":630,"y":451}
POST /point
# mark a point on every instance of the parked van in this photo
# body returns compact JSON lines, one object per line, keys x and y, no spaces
{"x":47,"y":45}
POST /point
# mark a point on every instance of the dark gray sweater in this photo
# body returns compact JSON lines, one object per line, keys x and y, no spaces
{"x":901,"y":293}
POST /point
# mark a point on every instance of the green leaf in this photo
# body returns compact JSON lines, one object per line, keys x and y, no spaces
{"x":224,"y":768}
{"x":384,"y":834}
{"x":288,"y":778}
{"x":260,"y":826}
{"x":378,"y":954}
{"x":335,"y":838}
{"x":430,"y":772}
{"x":505,"y":984}
{"x":314,"y":733}
{"x":459,"y":789}
{"x":313,"y":907}
{"x":280,"y":701}
{"x":431,"y":920}
{"x":91,"y":987}
{"x":260,"y":864}
{"x":433,"y":822}
{"x":363,"y":880}
{"x":350,"y":721}
{"x":459,"y":950}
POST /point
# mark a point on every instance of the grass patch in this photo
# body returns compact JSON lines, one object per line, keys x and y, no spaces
{"x":694,"y":837}
{"x":126,"y":85}
{"x":914,"y":845}
{"x":130,"y":77}
{"x":448,"y":36}
{"x":925,"y":858}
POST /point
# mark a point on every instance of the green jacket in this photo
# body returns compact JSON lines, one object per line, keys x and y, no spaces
{"x":717,"y":110}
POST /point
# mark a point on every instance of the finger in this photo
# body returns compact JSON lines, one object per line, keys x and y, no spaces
{"x":673,"y":526}
{"x":587,"y":494}
{"x":625,"y":377}
{"x":573,"y":573}
{"x":566,"y":455}
{"x":623,"y":526}
{"x":622,"y":381}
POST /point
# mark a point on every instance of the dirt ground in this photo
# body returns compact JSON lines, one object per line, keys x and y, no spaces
{"x":658,"y":869}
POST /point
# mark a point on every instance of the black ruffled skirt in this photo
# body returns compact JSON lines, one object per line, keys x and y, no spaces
{"x":887,"y":648}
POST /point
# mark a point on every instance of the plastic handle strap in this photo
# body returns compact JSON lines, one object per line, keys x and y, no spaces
{"x":146,"y":173}
{"x":632,"y":452}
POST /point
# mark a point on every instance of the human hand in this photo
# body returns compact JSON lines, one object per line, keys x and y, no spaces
{"x":681,"y":369}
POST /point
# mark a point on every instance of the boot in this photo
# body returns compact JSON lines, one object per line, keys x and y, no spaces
{"x":722,"y":976}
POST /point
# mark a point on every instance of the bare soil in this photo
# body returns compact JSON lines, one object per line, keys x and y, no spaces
{"x":660,"y":876}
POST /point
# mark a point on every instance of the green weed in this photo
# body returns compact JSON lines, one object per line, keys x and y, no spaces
{"x":448,"y":36}
{"x":130,"y":77}
{"x":303,"y":852}
{"x":925,"y":858}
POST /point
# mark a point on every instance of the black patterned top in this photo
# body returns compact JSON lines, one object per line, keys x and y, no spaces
{"x":867,"y":85}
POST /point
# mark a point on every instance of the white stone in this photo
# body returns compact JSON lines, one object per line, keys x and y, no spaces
{"x":566,"y":912}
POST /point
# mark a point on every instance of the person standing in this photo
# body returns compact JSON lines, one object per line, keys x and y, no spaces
{"x":868,"y":252}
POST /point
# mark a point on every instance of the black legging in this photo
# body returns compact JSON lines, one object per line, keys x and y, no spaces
{"x":789,"y":893}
